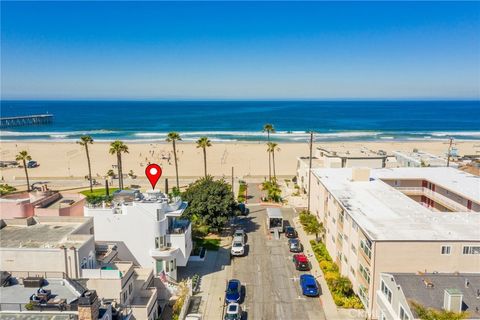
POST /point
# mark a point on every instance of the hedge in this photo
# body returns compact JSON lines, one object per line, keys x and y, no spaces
{"x":339,"y":286}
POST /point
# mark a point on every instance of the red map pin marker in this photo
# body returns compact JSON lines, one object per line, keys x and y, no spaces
{"x":153,"y":173}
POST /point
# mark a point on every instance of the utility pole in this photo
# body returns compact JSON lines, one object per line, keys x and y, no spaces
{"x":232,"y":184}
{"x":449,"y":152}
{"x":310,"y":170}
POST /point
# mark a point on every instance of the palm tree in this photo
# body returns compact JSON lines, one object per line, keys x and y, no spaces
{"x":173,"y":137}
{"x":268,"y":128}
{"x":271,"y":147}
{"x":118,"y":147}
{"x":24,"y":156}
{"x":204,"y":143}
{"x":85,"y":141}
{"x":314,"y":227}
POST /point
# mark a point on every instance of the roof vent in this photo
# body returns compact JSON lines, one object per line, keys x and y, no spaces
{"x":452,"y":300}
{"x":467,"y":283}
{"x":428,"y":283}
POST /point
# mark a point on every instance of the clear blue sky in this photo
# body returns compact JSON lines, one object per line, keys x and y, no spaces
{"x":190,"y":50}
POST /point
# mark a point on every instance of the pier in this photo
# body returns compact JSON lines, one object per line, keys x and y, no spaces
{"x":26,"y":120}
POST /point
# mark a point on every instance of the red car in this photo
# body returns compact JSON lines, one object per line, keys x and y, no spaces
{"x":301,"y":262}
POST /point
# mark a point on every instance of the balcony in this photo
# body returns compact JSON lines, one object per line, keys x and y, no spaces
{"x":435,"y":196}
{"x":177,"y":226}
{"x":164,"y":252}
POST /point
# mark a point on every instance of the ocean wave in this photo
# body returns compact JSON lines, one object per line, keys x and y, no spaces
{"x":53,"y":134}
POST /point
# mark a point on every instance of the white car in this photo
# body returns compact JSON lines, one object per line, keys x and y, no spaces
{"x":193,"y":316}
{"x":233,"y":312}
{"x":239,"y":233}
{"x":238,"y":248}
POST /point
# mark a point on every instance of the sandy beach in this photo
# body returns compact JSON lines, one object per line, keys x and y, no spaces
{"x":68,"y":160}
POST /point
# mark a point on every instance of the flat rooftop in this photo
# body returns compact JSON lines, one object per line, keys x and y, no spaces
{"x":457,"y":181}
{"x":387,"y":214}
{"x":418,"y":156}
{"x":345,"y":151}
{"x":18,"y":294}
{"x":414,"y":288}
{"x":46,"y":235}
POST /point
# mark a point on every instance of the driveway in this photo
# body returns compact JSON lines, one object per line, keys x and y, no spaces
{"x":268,"y":274}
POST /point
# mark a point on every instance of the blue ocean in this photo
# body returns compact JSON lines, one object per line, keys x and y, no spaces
{"x":243,"y":120}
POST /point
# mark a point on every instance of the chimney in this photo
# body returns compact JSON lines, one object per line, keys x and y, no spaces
{"x":88,"y":306}
{"x":452,"y":300}
{"x":360,"y":174}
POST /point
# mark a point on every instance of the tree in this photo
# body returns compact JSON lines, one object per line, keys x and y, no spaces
{"x":210,"y":202}
{"x":118,"y":147}
{"x":24,"y":156}
{"x":173,"y":137}
{"x":204,"y":143}
{"x":312,"y":226}
{"x":434,"y":314}
{"x":271,"y":147}
{"x":268,"y":128}
{"x":342,"y":285}
{"x":85,"y":141}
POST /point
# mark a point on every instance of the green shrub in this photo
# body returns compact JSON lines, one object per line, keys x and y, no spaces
{"x":340,"y":287}
{"x":6,"y":189}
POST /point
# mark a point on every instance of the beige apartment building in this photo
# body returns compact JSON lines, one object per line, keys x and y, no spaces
{"x":48,"y":244}
{"x":399,"y":220}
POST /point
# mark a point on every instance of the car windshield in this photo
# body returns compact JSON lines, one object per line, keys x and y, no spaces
{"x":311,"y":286}
{"x":232,"y":308}
{"x":231,"y":316}
{"x":232,"y":287}
{"x":237,"y":244}
{"x":289,"y":229}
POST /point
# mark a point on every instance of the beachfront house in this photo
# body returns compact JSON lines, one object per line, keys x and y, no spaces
{"x":146,"y":228}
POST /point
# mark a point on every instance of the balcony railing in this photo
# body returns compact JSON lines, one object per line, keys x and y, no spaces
{"x":366,"y":250}
{"x":441,"y":199}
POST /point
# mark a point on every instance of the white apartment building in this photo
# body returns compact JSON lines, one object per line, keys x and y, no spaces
{"x":399,"y":220}
{"x":341,"y":156}
{"x":420,"y":159}
{"x":456,"y":292}
{"x":62,"y":245}
{"x":146,"y":228}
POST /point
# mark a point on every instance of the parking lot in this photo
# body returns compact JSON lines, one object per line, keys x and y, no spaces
{"x":268,"y":274}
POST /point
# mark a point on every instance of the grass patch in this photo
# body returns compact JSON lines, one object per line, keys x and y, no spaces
{"x":340,"y":286}
{"x":241,"y":192}
{"x":98,"y":192}
{"x":209,"y":243}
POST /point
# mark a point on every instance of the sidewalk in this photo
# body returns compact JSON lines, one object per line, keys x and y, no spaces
{"x":326,"y":299}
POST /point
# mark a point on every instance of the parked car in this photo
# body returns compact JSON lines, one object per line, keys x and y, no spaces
{"x":32,"y":164}
{"x":193,"y":316}
{"x":290,"y":232}
{"x":239,"y":233}
{"x":238,"y":248}
{"x":243,"y":209}
{"x":233,"y":312}
{"x":301,"y":262}
{"x":309,"y":285}
{"x":295,"y":245}
{"x":234,"y":288}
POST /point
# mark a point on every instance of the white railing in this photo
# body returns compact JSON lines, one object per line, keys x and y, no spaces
{"x":435,"y":196}
{"x":101,"y":274}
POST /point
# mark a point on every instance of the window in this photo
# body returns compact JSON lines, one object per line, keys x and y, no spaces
{"x":354,"y":250}
{"x":446,"y":249}
{"x":345,"y":259}
{"x":386,"y":292}
{"x":403,"y":314}
{"x":333,"y":239}
{"x":354,"y":226}
{"x":365,"y":273}
{"x":167,"y":266}
{"x":84,"y":263}
{"x":471,"y":250}
{"x":130,"y":287}
{"x":125,"y":295}
{"x":352,"y":270}
{"x":157,"y":242}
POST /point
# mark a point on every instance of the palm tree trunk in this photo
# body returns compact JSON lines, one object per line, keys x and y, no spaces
{"x":119,"y":169}
{"x":205,"y":160}
{"x":176,"y":163}
{"x":89,"y":168}
{"x":273,"y":162}
{"x":269,"y":159}
{"x":26,"y":174}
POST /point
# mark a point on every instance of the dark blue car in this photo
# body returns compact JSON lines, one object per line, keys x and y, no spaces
{"x":233,"y":291}
{"x":309,"y":285}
